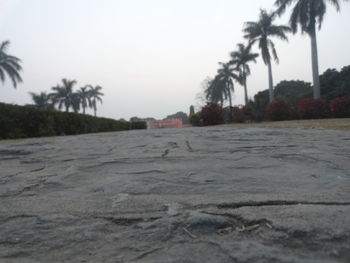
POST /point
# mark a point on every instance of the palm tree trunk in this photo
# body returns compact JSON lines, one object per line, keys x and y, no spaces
{"x":315,"y":73}
{"x":270,"y":82}
{"x":230,"y":98}
{"x":245,"y":87}
{"x":83,"y":109}
{"x":230,"y":104}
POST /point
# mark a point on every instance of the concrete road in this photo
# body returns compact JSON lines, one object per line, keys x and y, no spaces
{"x":177,"y":195}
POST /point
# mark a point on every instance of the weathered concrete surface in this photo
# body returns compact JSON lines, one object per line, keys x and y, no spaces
{"x":190,"y":195}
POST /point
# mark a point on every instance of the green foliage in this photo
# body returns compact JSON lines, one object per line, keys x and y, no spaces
{"x":278,"y":110}
{"x":289,"y":91}
{"x":26,"y":121}
{"x":10,"y":66}
{"x":335,"y":83}
{"x":192,"y":110}
{"x":138,"y":125}
{"x":195,"y":119}
{"x":141,"y":119}
{"x":262,"y":31}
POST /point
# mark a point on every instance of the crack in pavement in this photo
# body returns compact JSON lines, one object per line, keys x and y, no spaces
{"x":278,"y":203}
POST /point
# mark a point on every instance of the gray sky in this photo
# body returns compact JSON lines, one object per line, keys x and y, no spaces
{"x":150,"y":56}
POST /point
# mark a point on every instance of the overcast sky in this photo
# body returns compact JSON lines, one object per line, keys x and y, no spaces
{"x":150,"y":56}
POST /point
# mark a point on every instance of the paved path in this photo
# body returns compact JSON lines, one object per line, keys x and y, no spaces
{"x":187,"y":195}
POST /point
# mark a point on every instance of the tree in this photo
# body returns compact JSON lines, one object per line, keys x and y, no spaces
{"x":216,"y":91}
{"x":95,"y":96}
{"x":261,"y":32}
{"x":191,"y":110}
{"x":222,"y":86}
{"x":84,"y":97}
{"x":76,"y":101}
{"x":9,"y":65}
{"x":64,"y":95}
{"x":241,"y":58}
{"x":290,"y":91}
{"x":226,"y":77}
{"x":308,"y":14}
{"x":42,"y":100}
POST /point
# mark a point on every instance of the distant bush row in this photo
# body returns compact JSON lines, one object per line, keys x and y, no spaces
{"x":26,"y":121}
{"x":278,"y":110}
{"x":309,"y":109}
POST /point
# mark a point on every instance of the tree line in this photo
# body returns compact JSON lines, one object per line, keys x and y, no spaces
{"x":64,"y":96}
{"x":306,"y":15}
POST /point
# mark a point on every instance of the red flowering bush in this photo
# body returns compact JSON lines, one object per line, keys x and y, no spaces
{"x":312,"y":109}
{"x":340,"y":107}
{"x":212,"y":114}
{"x":238,"y":114}
{"x":278,"y":110}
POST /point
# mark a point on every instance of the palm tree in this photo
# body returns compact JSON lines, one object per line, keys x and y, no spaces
{"x":222,"y":86}
{"x":226,"y":76}
{"x":9,"y":65}
{"x":64,"y":95}
{"x":76,"y":101}
{"x":95,"y":96}
{"x":84,"y":95}
{"x":308,"y":14}
{"x":240,"y":58}
{"x":42,"y":100}
{"x":261,"y":32}
{"x":216,"y":91}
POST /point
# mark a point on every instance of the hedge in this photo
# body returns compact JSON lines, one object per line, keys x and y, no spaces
{"x":278,"y":110}
{"x":27,"y":121}
{"x":138,"y":125}
{"x":312,"y":109}
{"x":340,"y":107}
{"x":212,"y":114}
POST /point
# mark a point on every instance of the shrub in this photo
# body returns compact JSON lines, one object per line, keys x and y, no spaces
{"x":25,"y":121}
{"x":340,"y":107}
{"x":312,"y":109}
{"x":248,"y":112}
{"x":195,"y":119}
{"x":212,"y":114}
{"x":138,"y":125}
{"x":238,"y":114}
{"x":278,"y":110}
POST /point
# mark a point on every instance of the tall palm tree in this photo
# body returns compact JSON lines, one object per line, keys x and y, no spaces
{"x":226,"y":75}
{"x":261,"y":32}
{"x":76,"y":101}
{"x":84,"y":95}
{"x":42,"y":100}
{"x":308,"y":14}
{"x":222,"y":86}
{"x":216,"y":91}
{"x":64,"y":95}
{"x":95,"y":96}
{"x":240,"y":58}
{"x":9,"y":65}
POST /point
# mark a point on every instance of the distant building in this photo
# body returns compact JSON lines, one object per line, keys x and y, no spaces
{"x":167,"y":123}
